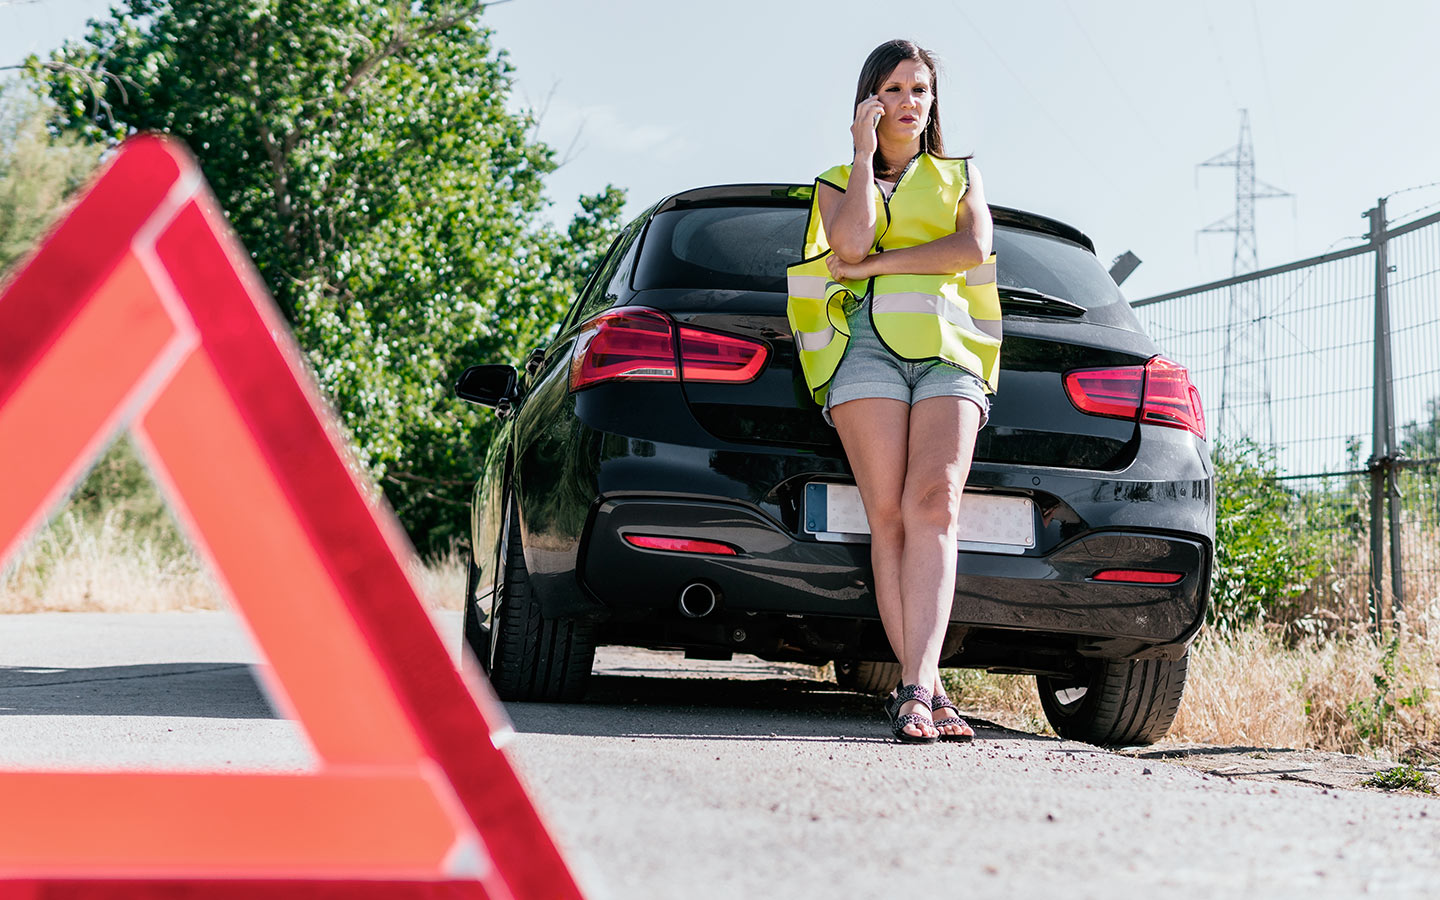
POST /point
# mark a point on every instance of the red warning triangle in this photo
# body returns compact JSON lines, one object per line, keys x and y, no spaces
{"x":142,"y":310}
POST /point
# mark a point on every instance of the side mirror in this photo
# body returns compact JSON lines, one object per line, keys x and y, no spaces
{"x":495,"y":386}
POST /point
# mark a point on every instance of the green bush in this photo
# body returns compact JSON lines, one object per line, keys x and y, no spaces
{"x":1265,"y":558}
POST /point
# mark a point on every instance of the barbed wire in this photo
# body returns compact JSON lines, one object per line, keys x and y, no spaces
{"x":1416,"y":187}
{"x":1412,"y":214}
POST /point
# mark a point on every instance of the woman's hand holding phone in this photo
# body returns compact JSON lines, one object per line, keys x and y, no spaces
{"x":867,"y":119}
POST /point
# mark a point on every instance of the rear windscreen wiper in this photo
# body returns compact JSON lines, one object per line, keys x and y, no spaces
{"x":1019,"y":298}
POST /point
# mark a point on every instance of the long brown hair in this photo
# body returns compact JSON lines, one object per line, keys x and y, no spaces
{"x":878,"y":66}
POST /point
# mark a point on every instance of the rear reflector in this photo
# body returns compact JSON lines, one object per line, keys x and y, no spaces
{"x":680,"y":545}
{"x":637,"y":344}
{"x":1138,"y":576}
{"x":1158,"y":393}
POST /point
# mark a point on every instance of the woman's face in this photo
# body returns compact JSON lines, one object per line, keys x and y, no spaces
{"x":907,"y":94}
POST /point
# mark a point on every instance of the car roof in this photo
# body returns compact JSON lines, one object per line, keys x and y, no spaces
{"x":800,"y":194}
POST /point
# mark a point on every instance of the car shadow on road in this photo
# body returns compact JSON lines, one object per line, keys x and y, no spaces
{"x":771,"y":709}
{"x":204,"y":690}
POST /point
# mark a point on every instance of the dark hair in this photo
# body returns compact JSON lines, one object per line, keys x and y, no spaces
{"x":878,"y":66}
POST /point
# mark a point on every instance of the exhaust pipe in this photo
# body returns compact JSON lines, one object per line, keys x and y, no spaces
{"x":698,"y":599}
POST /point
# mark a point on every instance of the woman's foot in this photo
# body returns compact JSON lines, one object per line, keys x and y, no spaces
{"x":919,"y":729}
{"x":908,"y":709}
{"x":946,"y":717}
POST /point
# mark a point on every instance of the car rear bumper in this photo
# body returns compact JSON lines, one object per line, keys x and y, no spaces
{"x":1051,"y":592}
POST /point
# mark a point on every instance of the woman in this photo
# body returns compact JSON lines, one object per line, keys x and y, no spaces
{"x":898,"y":328}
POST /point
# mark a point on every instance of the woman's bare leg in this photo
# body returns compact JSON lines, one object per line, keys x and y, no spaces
{"x":942,"y":442}
{"x":875,"y":433}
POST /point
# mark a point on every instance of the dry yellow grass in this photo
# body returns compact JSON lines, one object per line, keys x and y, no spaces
{"x":1352,"y":693}
{"x":82,"y":565}
{"x":75,"y":565}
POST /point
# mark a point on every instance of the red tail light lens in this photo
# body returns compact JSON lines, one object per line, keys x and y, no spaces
{"x":680,"y":545}
{"x":1138,"y":576}
{"x":1158,"y":392}
{"x":637,"y":344}
{"x":1107,"y":392}
{"x":708,"y":356}
{"x":1170,"y":398}
{"x":625,"y":344}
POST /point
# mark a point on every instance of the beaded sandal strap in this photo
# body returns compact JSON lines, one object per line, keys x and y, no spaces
{"x":915,"y":719}
{"x":908,"y":692}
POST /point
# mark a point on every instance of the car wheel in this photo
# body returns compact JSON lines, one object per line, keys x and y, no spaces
{"x":1118,"y":702}
{"x":532,"y":657}
{"x":866,"y":676}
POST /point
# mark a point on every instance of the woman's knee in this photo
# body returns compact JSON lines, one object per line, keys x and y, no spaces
{"x":933,"y":504}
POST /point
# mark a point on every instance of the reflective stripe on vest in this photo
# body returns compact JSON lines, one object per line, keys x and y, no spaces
{"x":921,"y":302}
{"x":955,"y":318}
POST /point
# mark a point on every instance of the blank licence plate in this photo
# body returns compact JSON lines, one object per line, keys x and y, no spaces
{"x":996,"y":523}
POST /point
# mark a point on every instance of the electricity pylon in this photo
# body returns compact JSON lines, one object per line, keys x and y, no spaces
{"x":1245,"y":385}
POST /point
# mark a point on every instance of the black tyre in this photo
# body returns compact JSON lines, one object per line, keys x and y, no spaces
{"x":532,"y":657}
{"x":1119,"y":703}
{"x":866,"y":676}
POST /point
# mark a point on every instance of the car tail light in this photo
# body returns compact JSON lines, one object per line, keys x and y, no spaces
{"x":625,"y":344}
{"x":708,"y":356}
{"x":1138,"y":576}
{"x":637,"y":344}
{"x":1107,"y":392}
{"x":680,"y":545}
{"x":1158,"y":392}
{"x":1170,"y":398}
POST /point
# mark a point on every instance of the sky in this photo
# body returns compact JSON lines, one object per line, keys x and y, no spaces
{"x":1095,"y":113}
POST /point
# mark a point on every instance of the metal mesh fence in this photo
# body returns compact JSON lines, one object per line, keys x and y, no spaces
{"x":1309,"y":396}
{"x":1286,"y":360}
{"x":1414,"y":298}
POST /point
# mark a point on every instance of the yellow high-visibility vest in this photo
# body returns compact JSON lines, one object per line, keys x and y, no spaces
{"x":955,"y":318}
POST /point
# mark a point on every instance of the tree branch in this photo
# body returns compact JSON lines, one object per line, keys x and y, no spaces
{"x":95,"y":84}
{"x":278,"y":153}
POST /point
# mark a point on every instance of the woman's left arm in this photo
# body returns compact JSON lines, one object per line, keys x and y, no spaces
{"x":967,"y":248}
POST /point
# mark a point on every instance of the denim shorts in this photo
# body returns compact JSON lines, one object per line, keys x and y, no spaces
{"x":869,"y":370}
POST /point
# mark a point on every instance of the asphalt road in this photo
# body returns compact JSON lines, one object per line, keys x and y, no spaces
{"x":743,"y":779}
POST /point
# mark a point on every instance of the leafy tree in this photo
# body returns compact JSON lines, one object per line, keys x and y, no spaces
{"x":364,"y":153}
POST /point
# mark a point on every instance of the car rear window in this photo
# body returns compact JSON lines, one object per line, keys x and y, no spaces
{"x":1054,"y":266}
{"x":733,"y":248}
{"x":746,"y":248}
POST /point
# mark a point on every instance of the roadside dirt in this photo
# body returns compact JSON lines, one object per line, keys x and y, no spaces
{"x":1319,"y":769}
{"x":1327,"y":771}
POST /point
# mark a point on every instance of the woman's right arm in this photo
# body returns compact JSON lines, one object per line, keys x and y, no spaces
{"x":849,"y":216}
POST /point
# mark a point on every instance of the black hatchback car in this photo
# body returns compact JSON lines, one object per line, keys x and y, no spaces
{"x":662,"y":479}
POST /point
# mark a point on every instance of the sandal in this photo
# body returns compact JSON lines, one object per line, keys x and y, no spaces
{"x":939,"y":702}
{"x":903,"y":695}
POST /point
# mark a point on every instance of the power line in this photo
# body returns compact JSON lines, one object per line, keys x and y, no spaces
{"x":1094,"y":164}
{"x":1119,"y":86}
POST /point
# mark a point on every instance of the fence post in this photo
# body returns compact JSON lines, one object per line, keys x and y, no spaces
{"x":1383,"y":470}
